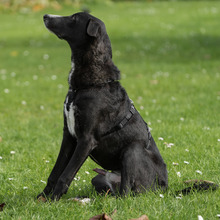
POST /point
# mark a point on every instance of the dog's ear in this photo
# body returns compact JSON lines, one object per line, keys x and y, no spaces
{"x":93,"y":28}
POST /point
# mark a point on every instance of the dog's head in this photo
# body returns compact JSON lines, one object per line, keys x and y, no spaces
{"x":90,"y":45}
{"x":79,"y":29}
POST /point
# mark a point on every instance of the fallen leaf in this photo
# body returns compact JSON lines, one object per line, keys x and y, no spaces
{"x":143,"y":217}
{"x":191,"y":181}
{"x":97,"y":217}
{"x":42,"y":199}
{"x":2,"y":206}
{"x":194,"y":181}
{"x":106,"y":217}
{"x":101,"y":217}
{"x":200,"y":185}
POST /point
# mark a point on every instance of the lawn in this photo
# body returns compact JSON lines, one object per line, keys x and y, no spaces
{"x":168,"y":54}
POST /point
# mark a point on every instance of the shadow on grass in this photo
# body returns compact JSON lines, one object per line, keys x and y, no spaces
{"x":170,"y":49}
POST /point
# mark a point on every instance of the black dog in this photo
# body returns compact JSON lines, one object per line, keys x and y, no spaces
{"x":100,"y":121}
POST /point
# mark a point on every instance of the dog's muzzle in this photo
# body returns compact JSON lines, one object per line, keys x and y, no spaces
{"x":51,"y":22}
{"x":46,"y":19}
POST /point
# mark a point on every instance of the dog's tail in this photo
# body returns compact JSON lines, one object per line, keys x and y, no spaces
{"x":197,"y":185}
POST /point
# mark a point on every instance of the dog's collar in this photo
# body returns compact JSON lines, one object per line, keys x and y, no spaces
{"x":91,"y":86}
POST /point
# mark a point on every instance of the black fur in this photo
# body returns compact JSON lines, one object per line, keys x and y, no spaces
{"x":99,"y":103}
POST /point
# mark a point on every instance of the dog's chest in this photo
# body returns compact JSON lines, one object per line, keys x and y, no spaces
{"x":69,"y":111}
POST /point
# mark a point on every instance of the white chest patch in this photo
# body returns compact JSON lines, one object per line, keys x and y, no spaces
{"x":71,"y":72}
{"x":69,"y":107}
{"x":69,"y":110}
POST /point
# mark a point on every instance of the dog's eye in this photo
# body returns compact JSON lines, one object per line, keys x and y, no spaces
{"x":73,"y":17}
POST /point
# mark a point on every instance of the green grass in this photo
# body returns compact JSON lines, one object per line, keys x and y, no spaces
{"x":168,"y":54}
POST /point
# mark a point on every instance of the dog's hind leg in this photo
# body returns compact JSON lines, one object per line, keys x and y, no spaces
{"x":137,"y":169}
{"x":107,"y":181}
{"x":100,"y":184}
{"x":67,"y":149}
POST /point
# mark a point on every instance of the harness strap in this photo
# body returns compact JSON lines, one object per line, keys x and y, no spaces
{"x":123,"y":122}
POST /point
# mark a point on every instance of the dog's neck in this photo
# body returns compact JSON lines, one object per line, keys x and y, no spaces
{"x":89,"y":69}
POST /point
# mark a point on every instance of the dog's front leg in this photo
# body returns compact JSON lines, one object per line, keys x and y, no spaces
{"x":83,"y":149}
{"x":67,"y":149}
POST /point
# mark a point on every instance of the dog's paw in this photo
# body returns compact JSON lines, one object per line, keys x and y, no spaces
{"x":41,"y":198}
{"x":60,"y":189}
{"x":55,"y":197}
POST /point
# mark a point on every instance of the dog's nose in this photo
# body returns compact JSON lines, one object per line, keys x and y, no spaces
{"x":46,"y":17}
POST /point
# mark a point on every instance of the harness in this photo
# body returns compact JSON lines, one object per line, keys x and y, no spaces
{"x":120,"y":125}
{"x":125,"y":120}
